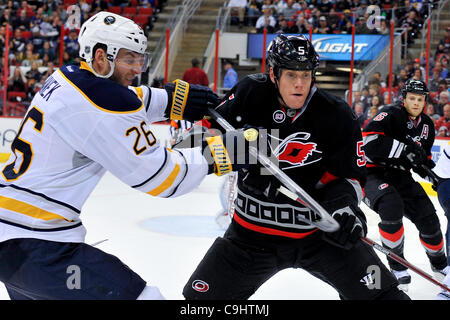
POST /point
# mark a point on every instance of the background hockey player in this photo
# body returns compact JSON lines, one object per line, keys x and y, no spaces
{"x":84,"y":121}
{"x":398,"y":139}
{"x":319,"y":146}
{"x":442,"y":170}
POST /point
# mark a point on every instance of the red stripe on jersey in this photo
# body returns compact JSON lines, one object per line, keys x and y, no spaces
{"x":371,"y":165}
{"x":437,"y":247}
{"x":393,"y":237}
{"x":327,"y":178}
{"x":371,"y":133}
{"x":271,"y":231}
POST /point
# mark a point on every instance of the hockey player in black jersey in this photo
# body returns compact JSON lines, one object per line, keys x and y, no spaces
{"x":318,"y":144}
{"x":399,"y":138}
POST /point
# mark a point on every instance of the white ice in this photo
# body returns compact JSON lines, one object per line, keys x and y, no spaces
{"x":163,"y":240}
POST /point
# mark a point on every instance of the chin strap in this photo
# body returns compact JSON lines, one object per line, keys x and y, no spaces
{"x":110,"y":73}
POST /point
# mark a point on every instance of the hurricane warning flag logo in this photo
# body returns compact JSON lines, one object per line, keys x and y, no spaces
{"x":296,"y":151}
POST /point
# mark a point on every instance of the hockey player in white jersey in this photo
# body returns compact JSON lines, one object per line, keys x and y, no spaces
{"x":87,"y":120}
{"x":442,"y":170}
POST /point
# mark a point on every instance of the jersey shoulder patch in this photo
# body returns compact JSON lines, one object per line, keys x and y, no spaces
{"x":103,"y":93}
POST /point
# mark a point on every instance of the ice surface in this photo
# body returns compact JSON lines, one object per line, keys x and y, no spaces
{"x":164,"y":239}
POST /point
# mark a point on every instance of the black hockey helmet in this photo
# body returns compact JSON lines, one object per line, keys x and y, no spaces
{"x":415,"y":86}
{"x":293,"y":53}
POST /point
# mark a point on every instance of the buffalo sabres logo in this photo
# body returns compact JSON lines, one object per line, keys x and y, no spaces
{"x":295,"y":151}
{"x":109,"y":20}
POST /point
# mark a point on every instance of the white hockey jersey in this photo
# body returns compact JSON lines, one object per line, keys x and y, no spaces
{"x":77,"y":127}
{"x":442,"y":168}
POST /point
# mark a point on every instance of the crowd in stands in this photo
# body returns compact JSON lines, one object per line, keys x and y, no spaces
{"x":375,"y":94}
{"x":330,"y":16}
{"x":34,"y":49}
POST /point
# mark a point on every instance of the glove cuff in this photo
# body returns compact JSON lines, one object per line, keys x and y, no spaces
{"x":179,"y":99}
{"x":222,"y":163}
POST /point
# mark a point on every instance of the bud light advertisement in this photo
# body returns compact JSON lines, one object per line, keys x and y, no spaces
{"x":334,"y":47}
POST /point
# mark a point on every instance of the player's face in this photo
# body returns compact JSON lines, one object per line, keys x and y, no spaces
{"x":294,"y":87}
{"x":414,"y":103}
{"x":128,"y":65}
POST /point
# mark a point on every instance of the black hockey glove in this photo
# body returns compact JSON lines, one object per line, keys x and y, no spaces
{"x":230,"y":151}
{"x":258,"y":183}
{"x":189,"y":101}
{"x":423,"y":172}
{"x":414,"y":153}
{"x":351,"y":220}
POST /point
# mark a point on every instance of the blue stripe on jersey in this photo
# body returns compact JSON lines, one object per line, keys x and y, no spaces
{"x":40,"y":229}
{"x":105,"y":93}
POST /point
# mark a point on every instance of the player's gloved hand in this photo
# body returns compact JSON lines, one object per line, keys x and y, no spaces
{"x":352,"y":224}
{"x":258,"y":183}
{"x":414,"y":153}
{"x":189,"y":101}
{"x":230,"y":151}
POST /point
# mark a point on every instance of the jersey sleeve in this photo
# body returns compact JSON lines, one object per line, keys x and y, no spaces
{"x":154,"y":100}
{"x":345,"y":161}
{"x":379,"y":146}
{"x":124,"y":145}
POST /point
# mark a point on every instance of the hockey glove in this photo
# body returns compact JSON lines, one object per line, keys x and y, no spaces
{"x":414,"y":153}
{"x":351,"y":220}
{"x":230,"y":152}
{"x":259,"y":184}
{"x":189,"y":101}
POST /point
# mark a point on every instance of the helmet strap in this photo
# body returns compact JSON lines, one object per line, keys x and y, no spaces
{"x":110,"y":73}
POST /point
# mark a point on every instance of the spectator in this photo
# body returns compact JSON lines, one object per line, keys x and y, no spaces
{"x":266,"y":21}
{"x":30,"y":57}
{"x":444,"y":121}
{"x":18,"y":42}
{"x":444,"y":71}
{"x":285,"y":28}
{"x":372,"y":113}
{"x":342,"y":5}
{"x":435,"y":79}
{"x":445,"y":41}
{"x":238,"y":7}
{"x":323,"y":26}
{"x":50,"y":70}
{"x":325,"y":6}
{"x":22,"y":21}
{"x":231,"y":76}
{"x":362,"y":27}
{"x":253,"y":12}
{"x":290,"y":11}
{"x":71,"y":43}
{"x":33,"y":77}
{"x":359,"y":112}
{"x":431,"y":113}
{"x":384,"y":27}
{"x":47,"y":49}
{"x":418,"y":75}
{"x":279,"y":6}
{"x":7,"y":17}
{"x":443,"y":100}
{"x":195,"y":75}
{"x":412,"y":24}
{"x":17,"y":81}
{"x":333,"y":20}
{"x":301,"y":24}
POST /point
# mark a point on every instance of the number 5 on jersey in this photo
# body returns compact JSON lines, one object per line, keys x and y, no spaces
{"x":24,"y":147}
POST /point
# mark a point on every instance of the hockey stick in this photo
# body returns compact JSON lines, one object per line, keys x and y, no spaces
{"x":326,"y":222}
{"x":404,"y":262}
{"x":383,"y":250}
{"x":298,"y":194}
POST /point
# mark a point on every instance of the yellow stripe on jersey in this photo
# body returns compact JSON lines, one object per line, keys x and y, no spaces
{"x":29,"y":210}
{"x":166,"y":183}
{"x":139,"y":92}
{"x":85,"y":66}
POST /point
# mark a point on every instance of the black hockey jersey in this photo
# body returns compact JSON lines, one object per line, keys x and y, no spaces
{"x":386,"y":134}
{"x":315,"y":145}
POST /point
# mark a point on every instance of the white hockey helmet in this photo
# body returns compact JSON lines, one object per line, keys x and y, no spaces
{"x":114,"y":31}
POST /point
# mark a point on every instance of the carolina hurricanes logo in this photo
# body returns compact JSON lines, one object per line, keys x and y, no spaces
{"x":200,"y":286}
{"x":296,"y":151}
